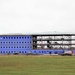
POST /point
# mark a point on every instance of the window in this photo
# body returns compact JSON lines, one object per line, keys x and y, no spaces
{"x":3,"y":37}
{"x":25,"y":51}
{"x":39,"y":52}
{"x":34,"y":51}
{"x":42,"y":51}
{"x":6,"y":51}
{"x":19,"y":46}
{"x":22,"y":37}
{"x":22,"y":42}
{"x":14,"y":47}
{"x":6,"y":42}
{"x":22,"y":51}
{"x":19,"y":37}
{"x":11,"y":37}
{"x":14,"y":37}
{"x":14,"y":42}
{"x":56,"y":52}
{"x":19,"y":51}
{"x":3,"y":42}
{"x":50,"y":52}
{"x":6,"y":37}
{"x":1,"y":51}
{"x":9,"y":51}
{"x":25,"y":37}
{"x":19,"y":42}
{"x":6,"y":47}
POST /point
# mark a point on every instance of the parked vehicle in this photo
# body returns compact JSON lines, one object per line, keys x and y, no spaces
{"x":66,"y":52}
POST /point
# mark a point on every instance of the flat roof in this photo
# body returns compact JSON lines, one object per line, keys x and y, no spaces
{"x":42,"y":33}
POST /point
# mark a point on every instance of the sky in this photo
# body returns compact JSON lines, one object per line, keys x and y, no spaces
{"x":36,"y":16}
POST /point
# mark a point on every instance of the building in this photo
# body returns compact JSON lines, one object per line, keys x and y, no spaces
{"x":36,"y":43}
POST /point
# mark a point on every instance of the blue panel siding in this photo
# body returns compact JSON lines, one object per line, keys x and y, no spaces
{"x":46,"y":51}
{"x":12,"y":44}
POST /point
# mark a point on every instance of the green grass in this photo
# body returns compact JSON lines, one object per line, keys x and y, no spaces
{"x":37,"y":65}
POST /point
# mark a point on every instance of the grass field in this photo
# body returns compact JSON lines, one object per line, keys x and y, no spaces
{"x":37,"y":65}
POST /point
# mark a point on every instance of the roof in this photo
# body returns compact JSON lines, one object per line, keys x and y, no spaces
{"x":42,"y":33}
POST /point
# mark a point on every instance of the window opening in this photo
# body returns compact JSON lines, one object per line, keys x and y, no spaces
{"x":3,"y":37}
{"x":19,"y":51}
{"x":11,"y":37}
{"x":19,"y":37}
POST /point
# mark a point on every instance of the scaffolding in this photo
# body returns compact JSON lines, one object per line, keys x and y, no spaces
{"x":54,"y":41}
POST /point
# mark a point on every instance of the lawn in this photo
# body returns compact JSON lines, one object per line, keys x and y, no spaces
{"x":37,"y":65}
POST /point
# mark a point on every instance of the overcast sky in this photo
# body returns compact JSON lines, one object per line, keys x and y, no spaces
{"x":26,"y":16}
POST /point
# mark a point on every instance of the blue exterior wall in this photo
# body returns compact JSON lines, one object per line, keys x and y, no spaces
{"x":12,"y":44}
{"x":21,"y":44}
{"x":46,"y":51}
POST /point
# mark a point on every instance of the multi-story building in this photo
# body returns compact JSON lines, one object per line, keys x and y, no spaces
{"x":36,"y":43}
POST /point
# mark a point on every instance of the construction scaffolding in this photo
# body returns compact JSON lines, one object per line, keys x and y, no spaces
{"x":54,"y":41}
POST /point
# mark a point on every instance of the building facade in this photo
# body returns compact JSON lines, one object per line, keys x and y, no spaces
{"x":37,"y":43}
